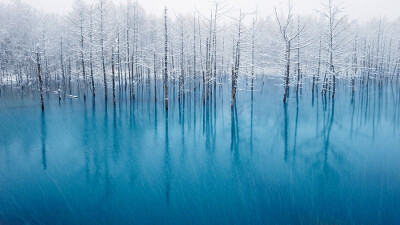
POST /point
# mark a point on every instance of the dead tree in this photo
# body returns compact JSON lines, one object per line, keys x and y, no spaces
{"x":252,"y":55}
{"x":91,"y":49}
{"x":79,"y":7}
{"x":102,"y":9}
{"x":298,"y":57}
{"x":285,"y":25}
{"x":316,"y":79}
{"x":166,"y":59}
{"x":127,"y":26}
{"x":194,"y":52}
{"x":40,"y":78}
{"x":62,"y":64}
{"x":236,"y":66}
{"x":113,"y":73}
{"x":334,"y":36}
{"x":155,"y":77}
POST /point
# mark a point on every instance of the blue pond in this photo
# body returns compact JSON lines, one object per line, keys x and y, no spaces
{"x":310,"y":161}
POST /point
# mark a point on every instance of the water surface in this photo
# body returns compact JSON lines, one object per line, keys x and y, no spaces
{"x":311,"y":161}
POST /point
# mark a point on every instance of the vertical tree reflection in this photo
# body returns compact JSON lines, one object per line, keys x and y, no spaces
{"x":86,"y":142}
{"x":106,"y":154}
{"x":44,"y":137}
{"x":234,"y":133}
{"x":327,"y":134}
{"x":251,"y":122}
{"x":295,"y":128}
{"x":285,"y":130}
{"x":322,"y":156}
{"x":167,"y":162}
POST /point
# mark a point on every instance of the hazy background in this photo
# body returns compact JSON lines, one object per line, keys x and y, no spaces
{"x":360,"y":9}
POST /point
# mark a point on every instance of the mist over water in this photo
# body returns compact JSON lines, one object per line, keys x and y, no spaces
{"x":313,"y":160}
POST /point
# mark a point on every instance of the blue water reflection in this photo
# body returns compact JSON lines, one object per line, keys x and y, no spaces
{"x":313,"y":160}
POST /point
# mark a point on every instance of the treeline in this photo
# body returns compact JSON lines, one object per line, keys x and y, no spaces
{"x":123,"y":48}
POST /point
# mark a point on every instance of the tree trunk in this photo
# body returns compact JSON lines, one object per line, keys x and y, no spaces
{"x":166,"y":61}
{"x":287,"y":72}
{"x":102,"y":48}
{"x":40,"y":79}
{"x":113,"y":73}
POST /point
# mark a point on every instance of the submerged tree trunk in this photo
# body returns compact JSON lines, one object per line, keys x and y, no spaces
{"x":215,"y":48}
{"x":83,"y":61}
{"x":62,"y":64}
{"x":194,"y":53}
{"x":298,"y":57}
{"x":287,"y":72}
{"x":113,"y":73}
{"x":40,"y":79}
{"x":252,"y":58}
{"x":119,"y":60}
{"x":155,"y":78}
{"x":91,"y":52}
{"x":166,"y":61}
{"x":182,"y":76}
{"x":102,"y":47}
{"x":233,"y":96}
{"x":316,"y":79}
{"x":235,"y":69}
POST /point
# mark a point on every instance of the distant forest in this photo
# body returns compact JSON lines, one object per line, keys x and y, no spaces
{"x":121,"y":46}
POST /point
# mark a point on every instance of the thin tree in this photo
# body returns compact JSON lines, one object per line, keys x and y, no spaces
{"x":102,"y":11}
{"x":285,"y":23}
{"x":113,"y":73}
{"x":91,"y":49}
{"x":334,"y":36}
{"x":166,"y":59}
{"x":40,"y":77}
{"x":236,"y":66}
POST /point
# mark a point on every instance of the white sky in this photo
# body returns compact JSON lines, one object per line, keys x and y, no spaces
{"x":360,"y":9}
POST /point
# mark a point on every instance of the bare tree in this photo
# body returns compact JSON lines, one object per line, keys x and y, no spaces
{"x":40,"y":77}
{"x":334,"y":36}
{"x":103,"y":4}
{"x":166,"y":59}
{"x":91,"y":48}
{"x":113,"y":73}
{"x":236,"y":66}
{"x":285,"y":23}
{"x":78,"y":19}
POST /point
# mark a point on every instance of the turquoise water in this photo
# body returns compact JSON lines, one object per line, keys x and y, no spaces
{"x":311,"y":161}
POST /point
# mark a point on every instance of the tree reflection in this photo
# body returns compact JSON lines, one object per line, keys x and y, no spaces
{"x":235,"y":134}
{"x":321,"y":160}
{"x":44,"y":137}
{"x":285,"y":133}
{"x":167,"y":162}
